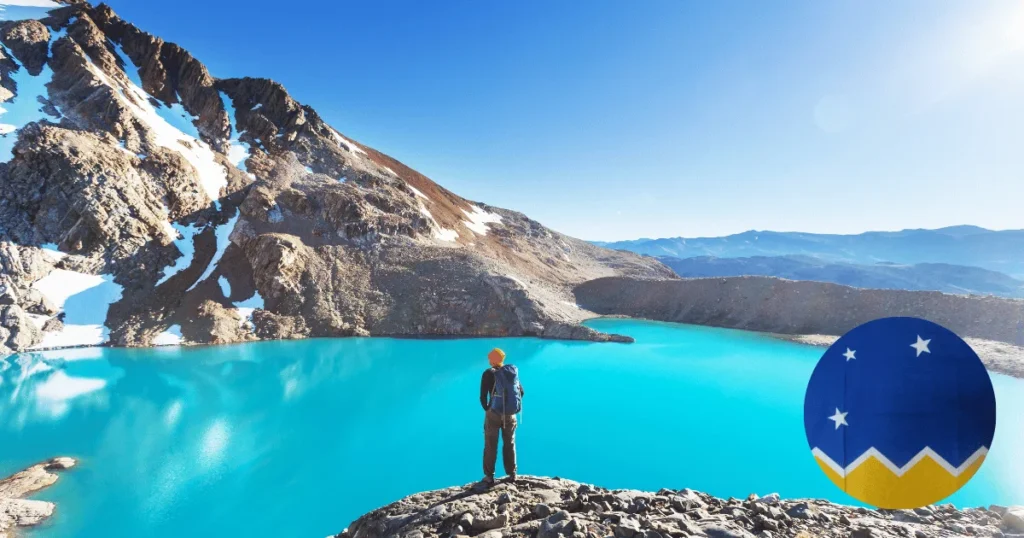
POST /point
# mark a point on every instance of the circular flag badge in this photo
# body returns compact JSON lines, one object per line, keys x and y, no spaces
{"x":900,"y":412}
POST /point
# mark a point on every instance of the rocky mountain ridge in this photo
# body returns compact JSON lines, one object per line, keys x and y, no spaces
{"x":539,"y":507}
{"x":146,"y":202}
{"x":993,"y":325}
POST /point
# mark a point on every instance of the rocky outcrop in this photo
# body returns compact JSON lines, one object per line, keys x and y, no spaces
{"x":538,"y":507}
{"x":15,"y":511}
{"x":814,"y":313}
{"x":796,"y":307}
{"x":227,"y":209}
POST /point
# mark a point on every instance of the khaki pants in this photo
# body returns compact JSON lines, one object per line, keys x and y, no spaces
{"x":494,"y":423}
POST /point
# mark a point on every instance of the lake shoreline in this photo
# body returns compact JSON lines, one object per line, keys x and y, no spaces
{"x":998,"y":357}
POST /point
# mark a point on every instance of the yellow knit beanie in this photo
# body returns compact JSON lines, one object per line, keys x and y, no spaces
{"x":496,"y":357}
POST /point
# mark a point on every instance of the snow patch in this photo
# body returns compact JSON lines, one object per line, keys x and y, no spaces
{"x":166,"y":127}
{"x":247,"y":307}
{"x":170,"y":337}
{"x":237,"y":154}
{"x":257,"y":107}
{"x":169,"y":230}
{"x":52,"y":253}
{"x":223,"y":234}
{"x":309,"y":170}
{"x":390,"y":171}
{"x":179,"y":118}
{"x":345,"y":143}
{"x":479,"y":219}
{"x":446,"y":234}
{"x":61,"y":284}
{"x":441,"y":234}
{"x":225,"y":286}
{"x":38,"y":320}
{"x":185,"y":247}
{"x":85,"y":300}
{"x":417,"y":192}
{"x":238,"y":151}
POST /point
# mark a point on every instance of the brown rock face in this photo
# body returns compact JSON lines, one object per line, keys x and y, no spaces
{"x":269,"y":224}
{"x":20,"y":332}
{"x":79,"y":190}
{"x":28,"y":41}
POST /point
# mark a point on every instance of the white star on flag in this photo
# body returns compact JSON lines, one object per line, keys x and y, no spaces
{"x":921,"y":346}
{"x":850,"y":354}
{"x":839,"y":418}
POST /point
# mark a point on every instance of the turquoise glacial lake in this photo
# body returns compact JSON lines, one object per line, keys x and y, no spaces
{"x":299,"y":438}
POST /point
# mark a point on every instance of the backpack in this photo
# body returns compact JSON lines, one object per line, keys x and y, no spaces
{"x":505,"y":396}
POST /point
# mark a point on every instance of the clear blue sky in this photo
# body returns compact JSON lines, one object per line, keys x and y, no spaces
{"x":615,"y":120}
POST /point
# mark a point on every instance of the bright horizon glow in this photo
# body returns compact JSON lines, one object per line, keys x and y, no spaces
{"x":664,"y":118}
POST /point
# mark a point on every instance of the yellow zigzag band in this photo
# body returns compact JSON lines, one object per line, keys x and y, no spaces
{"x":926,"y":479}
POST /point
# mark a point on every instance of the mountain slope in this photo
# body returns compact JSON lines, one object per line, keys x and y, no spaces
{"x":146,"y":202}
{"x":923,"y":276}
{"x":1001,"y":251}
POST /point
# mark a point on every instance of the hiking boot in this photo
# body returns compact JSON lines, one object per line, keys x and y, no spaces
{"x":511,"y":479}
{"x":488,"y":481}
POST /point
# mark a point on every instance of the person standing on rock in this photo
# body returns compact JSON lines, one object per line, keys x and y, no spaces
{"x":501,"y":395}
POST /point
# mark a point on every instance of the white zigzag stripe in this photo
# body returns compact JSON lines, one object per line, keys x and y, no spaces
{"x":899,"y":471}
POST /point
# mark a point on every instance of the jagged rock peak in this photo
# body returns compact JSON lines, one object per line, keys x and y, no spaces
{"x":205,"y":210}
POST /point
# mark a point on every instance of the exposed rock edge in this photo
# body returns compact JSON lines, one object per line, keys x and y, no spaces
{"x":15,"y":510}
{"x":552,"y":507}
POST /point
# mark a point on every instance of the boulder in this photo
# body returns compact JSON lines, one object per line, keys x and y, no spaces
{"x":18,"y":512}
{"x":8,"y":295}
{"x":22,"y":332}
{"x":1013,"y":518}
{"x":559,"y":524}
{"x":490,"y":523}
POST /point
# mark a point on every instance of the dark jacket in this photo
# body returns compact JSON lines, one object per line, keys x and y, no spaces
{"x":487,"y":384}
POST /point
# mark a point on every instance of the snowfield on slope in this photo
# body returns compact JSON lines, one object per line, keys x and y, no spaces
{"x":161,"y":125}
{"x":479,"y":219}
{"x":84,"y":299}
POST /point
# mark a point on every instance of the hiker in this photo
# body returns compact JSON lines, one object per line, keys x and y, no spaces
{"x":501,"y":396}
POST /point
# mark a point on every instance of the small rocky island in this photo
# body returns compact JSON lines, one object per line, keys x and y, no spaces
{"x":16,"y":511}
{"x":551,"y":507}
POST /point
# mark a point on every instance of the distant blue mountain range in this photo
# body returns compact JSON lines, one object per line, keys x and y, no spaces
{"x":945,"y":277}
{"x":958,"y":259}
{"x":1001,"y":251}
